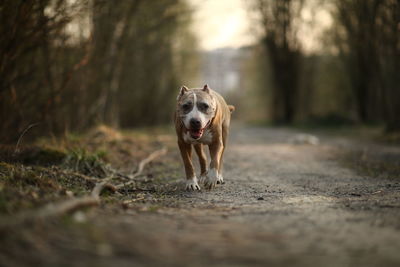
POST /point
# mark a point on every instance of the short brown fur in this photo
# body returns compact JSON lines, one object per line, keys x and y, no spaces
{"x":219,"y":128}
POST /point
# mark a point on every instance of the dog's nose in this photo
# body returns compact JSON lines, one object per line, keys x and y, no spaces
{"x":195,"y":123}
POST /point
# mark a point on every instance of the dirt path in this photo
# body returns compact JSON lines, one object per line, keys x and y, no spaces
{"x":282,"y":205}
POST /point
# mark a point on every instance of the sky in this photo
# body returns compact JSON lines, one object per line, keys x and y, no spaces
{"x":221,"y":23}
{"x":228,"y":23}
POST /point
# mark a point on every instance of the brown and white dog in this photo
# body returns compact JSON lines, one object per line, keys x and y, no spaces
{"x":202,"y":117}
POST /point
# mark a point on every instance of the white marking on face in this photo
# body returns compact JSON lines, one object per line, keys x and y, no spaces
{"x":195,"y":113}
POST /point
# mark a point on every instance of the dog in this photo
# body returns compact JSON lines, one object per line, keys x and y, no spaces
{"x":202,"y":117}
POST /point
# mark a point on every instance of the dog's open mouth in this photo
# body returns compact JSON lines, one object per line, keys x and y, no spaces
{"x":196,"y":133}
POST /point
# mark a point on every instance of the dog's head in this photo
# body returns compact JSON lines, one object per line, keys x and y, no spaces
{"x":196,"y":108}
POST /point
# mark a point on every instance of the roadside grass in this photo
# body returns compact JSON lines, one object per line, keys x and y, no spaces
{"x":51,"y":170}
{"x":337,"y":127}
{"x":375,"y":159}
{"x":373,"y":163}
{"x":390,"y":138}
{"x":368,"y":161}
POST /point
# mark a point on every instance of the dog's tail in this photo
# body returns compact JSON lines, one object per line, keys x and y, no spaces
{"x":231,"y":108}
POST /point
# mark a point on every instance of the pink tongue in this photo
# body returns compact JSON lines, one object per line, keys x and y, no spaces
{"x":195,"y":133}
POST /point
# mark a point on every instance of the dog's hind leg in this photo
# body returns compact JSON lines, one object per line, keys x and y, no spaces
{"x":224,"y":138}
{"x":202,"y":160}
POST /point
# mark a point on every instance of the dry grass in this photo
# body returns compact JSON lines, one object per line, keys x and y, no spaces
{"x":381,"y":164}
{"x":39,"y":174}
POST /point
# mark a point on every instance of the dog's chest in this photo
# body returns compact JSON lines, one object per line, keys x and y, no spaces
{"x":206,"y":138}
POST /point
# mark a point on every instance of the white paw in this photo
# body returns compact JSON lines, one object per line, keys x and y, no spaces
{"x":220,"y":179}
{"x":192,"y":185}
{"x":211,"y":179}
{"x":203,"y":178}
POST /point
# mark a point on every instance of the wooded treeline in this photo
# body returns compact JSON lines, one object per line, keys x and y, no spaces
{"x":362,"y":75}
{"x":67,"y":65}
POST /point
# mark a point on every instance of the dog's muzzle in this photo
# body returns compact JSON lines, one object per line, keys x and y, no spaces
{"x":197,"y":133}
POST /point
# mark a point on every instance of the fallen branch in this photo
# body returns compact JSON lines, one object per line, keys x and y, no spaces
{"x":62,"y":207}
{"x":52,"y":210}
{"x":150,"y":158}
{"x":89,"y":179}
{"x":141,"y":166}
{"x":100,"y":186}
{"x":22,"y":135}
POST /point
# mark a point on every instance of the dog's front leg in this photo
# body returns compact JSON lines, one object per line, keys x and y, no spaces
{"x":216,"y":149}
{"x":186,"y":153}
{"x":202,"y":161}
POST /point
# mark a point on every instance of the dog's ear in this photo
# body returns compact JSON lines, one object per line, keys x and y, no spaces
{"x":183,"y":90}
{"x":206,"y":88}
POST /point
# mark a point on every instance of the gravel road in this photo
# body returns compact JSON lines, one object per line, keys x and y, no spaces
{"x":283,"y":204}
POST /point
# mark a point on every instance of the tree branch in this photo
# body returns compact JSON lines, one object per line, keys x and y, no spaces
{"x":141,"y":166}
{"x":69,"y":205}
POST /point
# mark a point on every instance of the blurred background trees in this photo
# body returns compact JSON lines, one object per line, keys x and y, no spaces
{"x":278,"y":20}
{"x":369,"y":43}
{"x":69,"y":65}
{"x":352,"y":77}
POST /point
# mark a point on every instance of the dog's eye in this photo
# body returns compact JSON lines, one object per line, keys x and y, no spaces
{"x":186,"y":106}
{"x":204,"y":106}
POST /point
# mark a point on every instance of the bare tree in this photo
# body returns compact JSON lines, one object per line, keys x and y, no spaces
{"x":284,"y":54}
{"x":359,"y":50}
{"x":389,"y":61}
{"x":368,"y":38}
{"x":71,"y":64}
